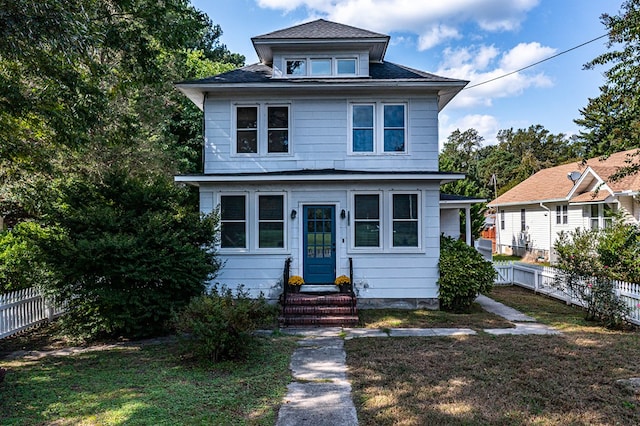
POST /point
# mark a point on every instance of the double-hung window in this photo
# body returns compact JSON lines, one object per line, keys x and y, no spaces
{"x":562,"y":215}
{"x":523,"y":220}
{"x":278,"y":129}
{"x":362,"y":128}
{"x":502,"y":219}
{"x":247,"y":129}
{"x":262,"y":129}
{"x":367,"y":220}
{"x":270,"y":221}
{"x":405,"y":220}
{"x":233,"y":221}
{"x":378,"y":128}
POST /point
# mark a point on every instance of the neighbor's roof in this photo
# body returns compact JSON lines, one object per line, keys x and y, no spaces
{"x":553,"y":184}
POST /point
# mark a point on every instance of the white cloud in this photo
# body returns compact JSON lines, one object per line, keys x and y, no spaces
{"x":433,"y":21}
{"x":486,"y":125}
{"x":480,"y":64}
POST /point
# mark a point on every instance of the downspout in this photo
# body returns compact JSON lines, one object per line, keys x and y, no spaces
{"x":204,"y":100}
{"x":549,"y":214}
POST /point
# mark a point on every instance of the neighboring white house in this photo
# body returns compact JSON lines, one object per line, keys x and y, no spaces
{"x":324,"y":152}
{"x":563,"y":198}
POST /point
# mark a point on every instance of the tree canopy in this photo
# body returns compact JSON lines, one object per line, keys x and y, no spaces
{"x":612,"y":119}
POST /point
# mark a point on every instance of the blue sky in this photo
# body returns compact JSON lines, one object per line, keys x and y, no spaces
{"x":474,"y":40}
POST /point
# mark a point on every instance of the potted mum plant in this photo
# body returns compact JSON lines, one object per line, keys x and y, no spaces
{"x":295,"y":281}
{"x":343,"y":282}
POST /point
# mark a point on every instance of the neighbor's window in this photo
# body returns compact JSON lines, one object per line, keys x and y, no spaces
{"x":247,"y":130}
{"x":346,"y":66}
{"x":394,"y":128}
{"x":278,"y":129}
{"x":523,"y":220}
{"x":595,"y":213}
{"x":233,"y":221}
{"x":502,"y":219}
{"x":367,"y":220}
{"x":562,"y":216}
{"x":271,"y":221}
{"x":297,"y":67}
{"x":405,"y":220}
{"x":363,"y":129}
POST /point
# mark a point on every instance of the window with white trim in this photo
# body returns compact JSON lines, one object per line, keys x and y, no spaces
{"x":262,"y":129}
{"x":562,"y":215}
{"x":320,"y":66}
{"x":523,"y":220}
{"x":271,"y":221}
{"x":278,"y":129}
{"x":502,"y":219}
{"x":247,"y":129}
{"x":366,"y":226}
{"x":233,"y":221}
{"x":405,"y":220}
{"x":378,"y":128}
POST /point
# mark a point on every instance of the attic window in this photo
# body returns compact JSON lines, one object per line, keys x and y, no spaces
{"x":297,"y":67}
{"x":325,"y":67}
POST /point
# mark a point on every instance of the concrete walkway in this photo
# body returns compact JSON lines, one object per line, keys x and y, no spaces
{"x":320,"y":394}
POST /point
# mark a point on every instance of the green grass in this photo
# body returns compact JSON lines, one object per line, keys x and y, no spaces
{"x":504,"y":257}
{"x":568,"y":379}
{"x":146,"y":385}
{"x":477,"y":319}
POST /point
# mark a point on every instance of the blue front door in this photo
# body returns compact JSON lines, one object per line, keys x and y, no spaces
{"x":319,"y":244}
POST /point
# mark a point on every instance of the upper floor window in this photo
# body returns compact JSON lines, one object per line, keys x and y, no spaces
{"x":251,"y":129}
{"x":378,"y":128}
{"x":247,"y":129}
{"x":233,"y":221}
{"x":278,"y":129}
{"x":562,"y":215}
{"x":326,"y":66}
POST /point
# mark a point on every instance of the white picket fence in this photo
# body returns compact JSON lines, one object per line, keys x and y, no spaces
{"x":22,"y":309}
{"x":542,"y":280}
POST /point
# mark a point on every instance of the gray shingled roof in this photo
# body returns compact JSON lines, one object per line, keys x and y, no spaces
{"x":259,"y":73}
{"x":320,"y":29}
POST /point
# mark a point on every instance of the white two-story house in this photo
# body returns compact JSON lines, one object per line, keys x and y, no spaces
{"x":324,"y":153}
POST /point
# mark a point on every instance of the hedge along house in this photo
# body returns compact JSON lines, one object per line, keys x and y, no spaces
{"x":326,"y":154}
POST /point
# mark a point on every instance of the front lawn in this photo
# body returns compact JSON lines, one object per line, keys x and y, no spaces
{"x":477,"y":319}
{"x":146,"y":385}
{"x":506,"y":380}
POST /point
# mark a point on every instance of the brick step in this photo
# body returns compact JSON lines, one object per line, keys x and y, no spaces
{"x":318,"y":310}
{"x":311,"y":320}
{"x":308,"y":299}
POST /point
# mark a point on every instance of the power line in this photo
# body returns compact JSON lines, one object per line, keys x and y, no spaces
{"x":536,"y":63}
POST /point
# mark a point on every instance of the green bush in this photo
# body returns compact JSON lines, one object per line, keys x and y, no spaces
{"x":583,"y":273}
{"x":463,"y":275}
{"x":21,"y":264}
{"x":128,"y":253}
{"x":219,"y":326}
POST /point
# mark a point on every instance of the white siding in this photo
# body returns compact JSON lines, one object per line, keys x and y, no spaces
{"x":379,"y":273}
{"x":319,"y":137}
{"x":450,"y":222}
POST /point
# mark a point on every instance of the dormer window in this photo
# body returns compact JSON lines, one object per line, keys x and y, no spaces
{"x":321,"y":67}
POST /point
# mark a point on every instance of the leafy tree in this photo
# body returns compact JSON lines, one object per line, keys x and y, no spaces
{"x":612,"y":119}
{"x":459,"y":155}
{"x":125,"y":253}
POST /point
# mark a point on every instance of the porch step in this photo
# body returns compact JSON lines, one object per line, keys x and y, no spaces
{"x":300,"y":309}
{"x":322,"y":288}
{"x":323,"y":321}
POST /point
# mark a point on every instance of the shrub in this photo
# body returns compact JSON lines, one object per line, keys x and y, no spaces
{"x":582,"y":274}
{"x":21,"y":264}
{"x":218,"y":326}
{"x":463,"y":275}
{"x":127,"y":254}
